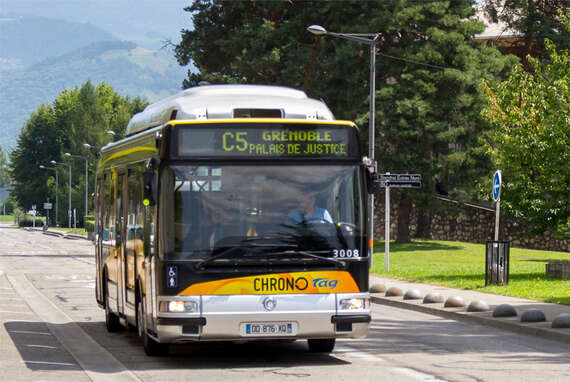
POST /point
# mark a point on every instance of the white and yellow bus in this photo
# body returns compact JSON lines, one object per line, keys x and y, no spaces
{"x":234,"y":212}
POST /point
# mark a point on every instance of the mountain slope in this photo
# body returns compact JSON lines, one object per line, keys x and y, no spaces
{"x":25,"y":41}
{"x":131,"y":70}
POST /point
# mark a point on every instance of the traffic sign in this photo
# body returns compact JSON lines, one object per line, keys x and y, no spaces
{"x":497,"y":185}
{"x":399,"y":180}
{"x":47,"y":206}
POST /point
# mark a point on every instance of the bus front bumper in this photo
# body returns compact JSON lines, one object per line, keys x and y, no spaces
{"x":246,"y":317}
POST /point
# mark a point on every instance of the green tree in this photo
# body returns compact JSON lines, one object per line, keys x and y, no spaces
{"x":530,"y":140}
{"x":77,"y":116}
{"x":4,"y":169}
{"x":428,"y":116}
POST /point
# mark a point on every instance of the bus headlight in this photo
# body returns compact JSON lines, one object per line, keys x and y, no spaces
{"x":354,"y":304}
{"x":178,"y":306}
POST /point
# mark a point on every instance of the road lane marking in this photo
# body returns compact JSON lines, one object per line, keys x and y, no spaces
{"x":13,"y":305}
{"x":91,"y":357}
{"x":11,"y":311}
{"x":50,"y":363}
{"x":30,"y":332}
{"x":418,"y":376}
{"x":351,"y":352}
{"x":42,"y":346}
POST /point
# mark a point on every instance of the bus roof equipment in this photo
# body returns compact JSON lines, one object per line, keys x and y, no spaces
{"x":231,"y":101}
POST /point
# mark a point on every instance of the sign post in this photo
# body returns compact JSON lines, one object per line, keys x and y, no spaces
{"x":394,"y":180}
{"x":497,"y":180}
{"x":387,"y":228}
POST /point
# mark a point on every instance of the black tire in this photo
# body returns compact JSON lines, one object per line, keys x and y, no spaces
{"x":321,"y":345}
{"x":151,"y":347}
{"x":111,"y":319}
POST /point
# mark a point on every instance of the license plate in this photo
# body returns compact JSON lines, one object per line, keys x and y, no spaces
{"x":252,"y":329}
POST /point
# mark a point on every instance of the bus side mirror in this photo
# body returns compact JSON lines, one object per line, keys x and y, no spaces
{"x":149,"y":185}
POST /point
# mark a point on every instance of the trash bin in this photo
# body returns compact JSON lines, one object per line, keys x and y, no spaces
{"x":497,"y":256}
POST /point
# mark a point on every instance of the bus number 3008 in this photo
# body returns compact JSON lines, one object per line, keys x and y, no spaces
{"x":346,"y":253}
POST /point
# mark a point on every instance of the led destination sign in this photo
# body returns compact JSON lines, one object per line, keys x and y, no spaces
{"x":284,"y":140}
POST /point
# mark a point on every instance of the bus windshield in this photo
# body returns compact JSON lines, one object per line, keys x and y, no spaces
{"x":263,"y":210}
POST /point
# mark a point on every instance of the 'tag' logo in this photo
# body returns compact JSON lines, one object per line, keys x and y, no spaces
{"x":324,"y":282}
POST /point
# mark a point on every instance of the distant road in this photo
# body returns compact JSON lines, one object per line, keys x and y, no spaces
{"x":52,"y":329}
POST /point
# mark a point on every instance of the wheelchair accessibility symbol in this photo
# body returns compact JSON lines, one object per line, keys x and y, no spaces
{"x":172,"y":276}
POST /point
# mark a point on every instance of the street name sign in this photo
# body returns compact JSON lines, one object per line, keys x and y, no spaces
{"x":400,"y":180}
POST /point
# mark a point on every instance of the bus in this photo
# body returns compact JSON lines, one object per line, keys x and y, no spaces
{"x":234,"y":213}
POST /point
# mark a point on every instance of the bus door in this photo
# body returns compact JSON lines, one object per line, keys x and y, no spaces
{"x":120,"y":242}
{"x":99,"y":238}
{"x":134,"y":235}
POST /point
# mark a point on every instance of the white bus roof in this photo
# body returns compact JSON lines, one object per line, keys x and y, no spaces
{"x":224,"y":101}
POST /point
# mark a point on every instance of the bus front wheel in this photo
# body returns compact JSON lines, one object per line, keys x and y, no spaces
{"x":321,"y":345}
{"x":151,"y":347}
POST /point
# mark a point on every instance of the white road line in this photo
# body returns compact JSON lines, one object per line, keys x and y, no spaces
{"x":50,"y":363}
{"x":11,"y":311}
{"x":42,"y":346}
{"x":418,"y":376}
{"x":351,"y":352}
{"x":12,"y":305}
{"x":90,"y":356}
{"x":30,"y":332}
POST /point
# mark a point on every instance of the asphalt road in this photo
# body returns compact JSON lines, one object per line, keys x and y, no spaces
{"x":52,"y":330}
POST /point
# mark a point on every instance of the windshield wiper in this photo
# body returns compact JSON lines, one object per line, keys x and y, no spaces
{"x":244,"y":244}
{"x":200,"y":265}
{"x":311,"y":254}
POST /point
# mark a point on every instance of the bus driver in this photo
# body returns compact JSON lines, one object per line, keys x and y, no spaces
{"x":307,"y":212}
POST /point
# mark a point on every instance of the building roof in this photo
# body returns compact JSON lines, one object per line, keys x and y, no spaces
{"x":493,"y":31}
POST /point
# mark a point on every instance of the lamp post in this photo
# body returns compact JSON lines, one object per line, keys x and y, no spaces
{"x":69,"y":188}
{"x":370,"y":39}
{"x":88,"y":146}
{"x":86,"y":176}
{"x":54,"y":169}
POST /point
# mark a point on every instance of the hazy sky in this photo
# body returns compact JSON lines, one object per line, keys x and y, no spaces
{"x":133,"y":20}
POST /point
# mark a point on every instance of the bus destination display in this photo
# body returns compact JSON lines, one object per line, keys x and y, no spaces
{"x":265,"y":141}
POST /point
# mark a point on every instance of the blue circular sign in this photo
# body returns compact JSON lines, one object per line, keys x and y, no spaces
{"x":497,"y":185}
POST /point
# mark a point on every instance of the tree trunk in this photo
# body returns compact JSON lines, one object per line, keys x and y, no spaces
{"x":404,"y":209}
{"x":424,"y":221}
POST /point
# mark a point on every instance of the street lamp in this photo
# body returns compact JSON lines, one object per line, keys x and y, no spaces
{"x":88,"y":146}
{"x":69,"y":187}
{"x":54,"y":169}
{"x":370,"y":39}
{"x":86,"y":176}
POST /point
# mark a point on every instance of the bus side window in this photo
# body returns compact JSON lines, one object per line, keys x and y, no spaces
{"x":108,"y":215}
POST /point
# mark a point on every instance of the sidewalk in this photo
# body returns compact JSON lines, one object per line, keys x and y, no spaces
{"x":540,"y":329}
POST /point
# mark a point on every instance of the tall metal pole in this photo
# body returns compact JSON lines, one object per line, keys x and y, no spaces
{"x":69,"y":195}
{"x":56,"y":190}
{"x":86,"y":159}
{"x":371,"y":141}
{"x":86,"y":186}
{"x":387,"y":229}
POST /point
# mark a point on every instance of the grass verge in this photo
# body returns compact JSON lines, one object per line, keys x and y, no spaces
{"x":462,"y":266}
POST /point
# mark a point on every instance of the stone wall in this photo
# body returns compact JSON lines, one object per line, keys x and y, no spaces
{"x":460,"y":222}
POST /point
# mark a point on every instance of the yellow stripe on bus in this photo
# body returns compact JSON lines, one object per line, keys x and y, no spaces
{"x":129,"y":151}
{"x":258,"y":120}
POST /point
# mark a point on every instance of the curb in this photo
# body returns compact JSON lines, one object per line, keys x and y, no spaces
{"x":69,"y":236}
{"x":559,"y":335}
